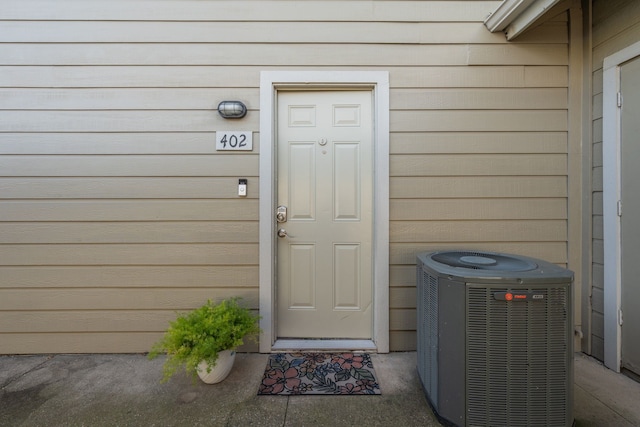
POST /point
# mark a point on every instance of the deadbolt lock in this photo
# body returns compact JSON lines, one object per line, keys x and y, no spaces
{"x":281,"y":214}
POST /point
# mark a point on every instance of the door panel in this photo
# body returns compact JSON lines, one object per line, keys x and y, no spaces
{"x":325,"y":179}
{"x":302,"y":180}
{"x":347,"y":281}
{"x":346,"y":189}
{"x":630,"y":229}
{"x":303,"y":258}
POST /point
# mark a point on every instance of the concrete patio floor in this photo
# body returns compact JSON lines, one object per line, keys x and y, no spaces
{"x":124,"y":390}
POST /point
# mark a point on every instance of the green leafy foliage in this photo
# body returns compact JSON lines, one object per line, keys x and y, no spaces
{"x":201,"y":334}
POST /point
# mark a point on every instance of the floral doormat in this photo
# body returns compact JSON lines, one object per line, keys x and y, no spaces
{"x":319,"y":373}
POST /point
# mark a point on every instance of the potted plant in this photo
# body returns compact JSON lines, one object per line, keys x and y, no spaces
{"x":204,"y":340}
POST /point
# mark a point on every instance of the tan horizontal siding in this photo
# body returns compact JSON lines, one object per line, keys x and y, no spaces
{"x":471,"y":186}
{"x":517,"y":54}
{"x":612,"y":18}
{"x":476,"y":99}
{"x":472,"y":231}
{"x":612,"y":21}
{"x":402,"y":319}
{"x":83,"y":342}
{"x":129,"y":232}
{"x":256,"y":32}
{"x":78,"y":342}
{"x":477,"y":209}
{"x":473,"y":142}
{"x":124,"y":99}
{"x":118,"y":298}
{"x":243,"y":54}
{"x":113,"y":143}
{"x":125,"y":188}
{"x":129,"y":165}
{"x":403,"y":340}
{"x":91,"y":320}
{"x":125,"y":210}
{"x":401,"y":298}
{"x":479,"y":120}
{"x":265,"y":32}
{"x":129,"y":254}
{"x":615,"y":26}
{"x":119,"y":121}
{"x":402,"y":275}
{"x":181,"y":188}
{"x":256,"y":10}
{"x":282,"y":54}
{"x":597,"y":106}
{"x":609,"y":48}
{"x":201,"y":99}
{"x":478,"y":164}
{"x":203,"y":143}
{"x":554,"y":76}
{"x":139,"y":276}
{"x":116,"y":209}
{"x":179,"y":76}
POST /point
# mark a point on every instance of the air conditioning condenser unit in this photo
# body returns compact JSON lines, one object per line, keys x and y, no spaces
{"x":495,"y":339}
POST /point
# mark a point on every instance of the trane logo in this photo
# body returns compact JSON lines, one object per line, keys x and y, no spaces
{"x":517,"y":296}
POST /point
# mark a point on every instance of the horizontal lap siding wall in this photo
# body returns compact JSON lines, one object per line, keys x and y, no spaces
{"x":616,"y":25}
{"x":116,"y":210}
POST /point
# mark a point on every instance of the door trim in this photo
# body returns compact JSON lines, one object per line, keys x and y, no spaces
{"x":611,"y":186}
{"x":378,"y":83}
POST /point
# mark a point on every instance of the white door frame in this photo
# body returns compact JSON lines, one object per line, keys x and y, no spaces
{"x":378,"y":83}
{"x":612,"y":181}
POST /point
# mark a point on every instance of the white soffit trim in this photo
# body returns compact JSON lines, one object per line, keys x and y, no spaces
{"x":515,"y":16}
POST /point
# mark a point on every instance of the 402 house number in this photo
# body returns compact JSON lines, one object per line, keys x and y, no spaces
{"x":234,"y":141}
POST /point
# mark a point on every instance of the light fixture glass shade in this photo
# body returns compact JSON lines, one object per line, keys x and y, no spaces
{"x":232,"y":109}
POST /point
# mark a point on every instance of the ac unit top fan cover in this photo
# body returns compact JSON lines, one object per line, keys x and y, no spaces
{"x":482,"y":267}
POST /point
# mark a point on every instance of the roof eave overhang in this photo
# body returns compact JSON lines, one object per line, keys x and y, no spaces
{"x":515,"y":16}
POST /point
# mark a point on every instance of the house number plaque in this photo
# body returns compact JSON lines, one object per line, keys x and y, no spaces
{"x":234,"y":140}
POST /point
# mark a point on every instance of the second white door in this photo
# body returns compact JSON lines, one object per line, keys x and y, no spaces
{"x":630,"y":232}
{"x":325,"y":187}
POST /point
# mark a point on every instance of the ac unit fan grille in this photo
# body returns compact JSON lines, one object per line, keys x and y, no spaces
{"x":428,"y":340}
{"x":483,"y":261}
{"x":517,"y":358}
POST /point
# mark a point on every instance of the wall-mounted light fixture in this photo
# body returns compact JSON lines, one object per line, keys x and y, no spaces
{"x":232,"y":109}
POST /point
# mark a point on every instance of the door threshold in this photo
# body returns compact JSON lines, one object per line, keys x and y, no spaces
{"x":323,"y":346}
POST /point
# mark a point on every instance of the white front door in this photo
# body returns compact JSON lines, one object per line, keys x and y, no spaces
{"x":324,"y":253}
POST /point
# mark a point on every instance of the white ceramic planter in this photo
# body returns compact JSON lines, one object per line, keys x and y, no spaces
{"x":220,"y":371}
